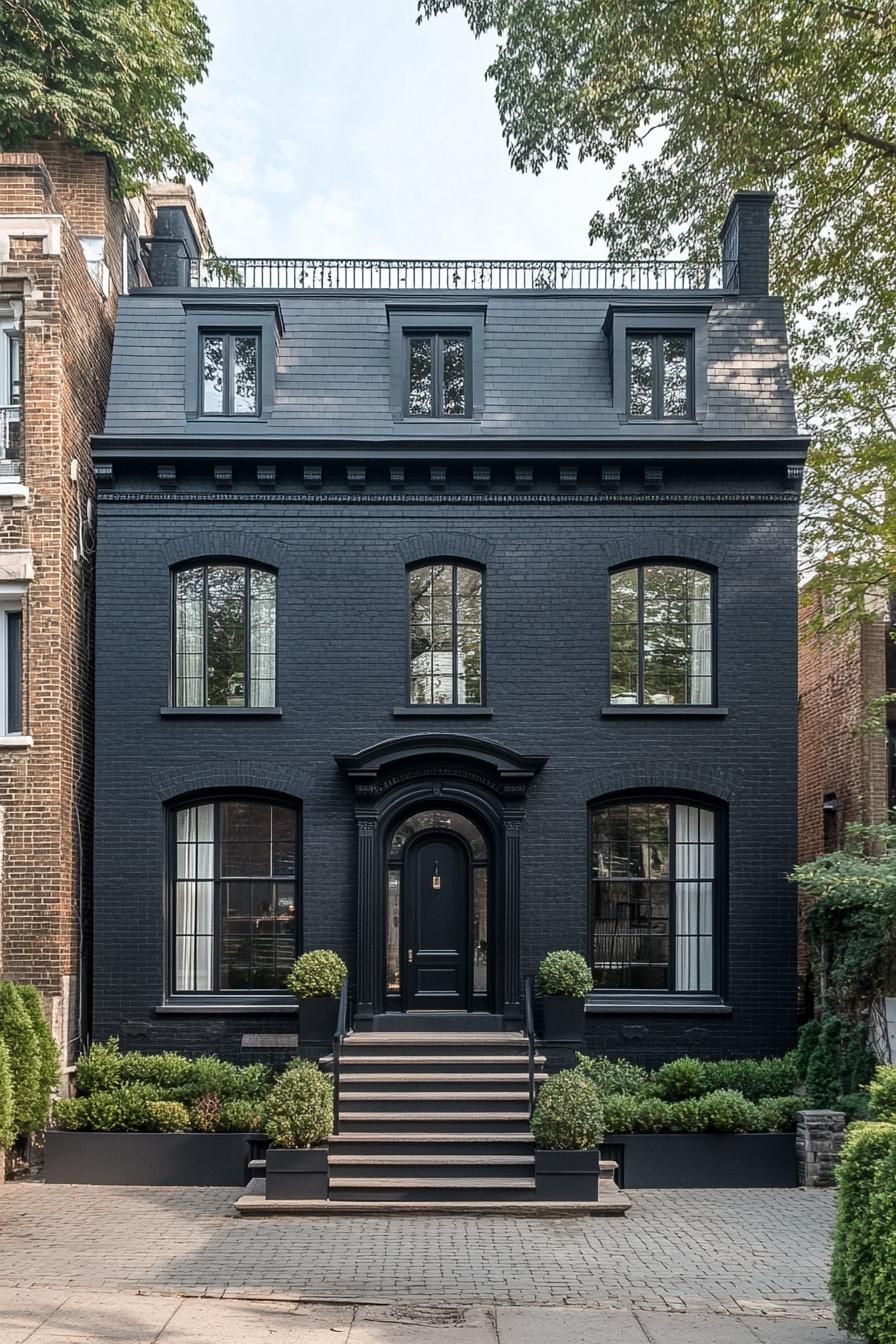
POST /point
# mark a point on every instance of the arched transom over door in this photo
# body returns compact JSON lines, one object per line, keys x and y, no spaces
{"x":437,"y":913}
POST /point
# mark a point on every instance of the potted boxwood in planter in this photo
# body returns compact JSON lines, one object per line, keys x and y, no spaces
{"x":316,"y":978}
{"x":565,"y":980}
{"x":567,"y":1123}
{"x":298,"y":1117}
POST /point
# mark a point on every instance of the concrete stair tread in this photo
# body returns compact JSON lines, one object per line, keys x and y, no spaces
{"x":368,"y":1038}
{"x":432,"y":1183}
{"x":521,"y":1078}
{"x":612,"y":1203}
{"x":458,"y":1117}
{"x":521,"y":1093}
{"x":449,"y":1160}
{"x":436,"y":1060}
{"x":432,"y":1137}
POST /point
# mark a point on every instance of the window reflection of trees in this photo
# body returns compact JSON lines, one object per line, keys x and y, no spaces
{"x":445,"y":602}
{"x":661,"y":636}
{"x":225,"y":636}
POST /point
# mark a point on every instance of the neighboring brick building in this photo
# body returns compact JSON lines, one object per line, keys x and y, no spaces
{"x":447,"y":614}
{"x":66,"y":239}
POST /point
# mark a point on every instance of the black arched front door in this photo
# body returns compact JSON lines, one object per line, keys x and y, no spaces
{"x":437,"y":917}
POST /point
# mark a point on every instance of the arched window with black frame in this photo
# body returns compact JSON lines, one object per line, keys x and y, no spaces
{"x":662,"y":634}
{"x":445,"y":599}
{"x":224,"y":635}
{"x":656,"y":886}
{"x":233,"y":894}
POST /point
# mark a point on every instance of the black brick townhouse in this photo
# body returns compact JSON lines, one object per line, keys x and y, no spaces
{"x":446,"y":615}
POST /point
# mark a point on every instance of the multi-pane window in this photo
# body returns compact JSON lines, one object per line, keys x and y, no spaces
{"x":10,"y":670}
{"x":229,"y":373}
{"x":660,"y":376}
{"x":661,"y":636}
{"x":234,"y":917}
{"x":437,"y":374}
{"x":445,"y":606}
{"x":654,"y":875}
{"x":225,"y":634}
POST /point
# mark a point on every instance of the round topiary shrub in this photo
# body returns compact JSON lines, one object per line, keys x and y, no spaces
{"x":613,"y":1076}
{"x":566,"y":974}
{"x":778,"y":1114}
{"x":71,"y":1113}
{"x":124,"y":1108}
{"x":7,"y":1105}
{"x":680,"y":1079}
{"x":317,"y":975}
{"x":29,"y":1111}
{"x":568,"y":1114}
{"x":167,"y":1117}
{"x":652,"y":1115}
{"x":619,"y":1110}
{"x":299,"y":1110}
{"x":99,"y":1070}
{"x":687,"y":1116}
{"x":242,"y":1116}
{"x":726,"y":1111}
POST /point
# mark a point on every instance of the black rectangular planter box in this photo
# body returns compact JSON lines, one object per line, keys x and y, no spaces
{"x":567,"y":1176}
{"x":563,"y":1018}
{"x":73,"y":1157}
{"x":317,"y":1019}
{"x":296,"y":1173}
{"x":702,"y":1161}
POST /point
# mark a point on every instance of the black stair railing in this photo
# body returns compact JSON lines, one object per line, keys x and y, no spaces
{"x":338,"y":1037}
{"x":529,"y":999}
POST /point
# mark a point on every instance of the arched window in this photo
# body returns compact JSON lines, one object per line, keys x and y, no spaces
{"x":655,"y":895}
{"x":445,"y":620}
{"x":225,"y":635}
{"x":234,"y":915}
{"x":661,"y":635}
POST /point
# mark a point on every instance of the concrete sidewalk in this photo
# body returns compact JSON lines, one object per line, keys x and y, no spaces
{"x":46,"y":1316}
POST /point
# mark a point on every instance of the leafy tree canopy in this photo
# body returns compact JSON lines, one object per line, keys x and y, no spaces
{"x":109,"y":75}
{"x":696,"y":99}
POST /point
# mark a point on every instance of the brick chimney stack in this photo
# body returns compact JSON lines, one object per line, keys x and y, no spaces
{"x":745,"y":238}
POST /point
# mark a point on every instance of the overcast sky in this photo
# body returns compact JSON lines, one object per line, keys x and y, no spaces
{"x":340,"y":128}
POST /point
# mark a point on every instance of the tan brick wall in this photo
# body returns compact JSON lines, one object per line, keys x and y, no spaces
{"x":46,"y":790}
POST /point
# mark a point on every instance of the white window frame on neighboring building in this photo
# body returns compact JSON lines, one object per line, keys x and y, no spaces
{"x":12,"y":660}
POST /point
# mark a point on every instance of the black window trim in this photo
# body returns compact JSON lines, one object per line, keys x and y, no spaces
{"x":436,"y":339}
{"x":228,"y":337}
{"x":248,"y":709}
{"x":673,"y":316}
{"x":203,"y":318}
{"x":711,"y":707}
{"x":455,"y":707}
{"x":444,"y":319}
{"x":217,"y":997}
{"x":657,"y":338}
{"x":666,"y":1000}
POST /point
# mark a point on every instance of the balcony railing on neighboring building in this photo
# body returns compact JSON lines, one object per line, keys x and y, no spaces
{"x":10,"y":442}
{"x":298,"y":273}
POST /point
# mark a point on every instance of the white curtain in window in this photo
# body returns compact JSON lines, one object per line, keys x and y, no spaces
{"x":700,"y":637}
{"x":263,"y":632}
{"x":694,"y":877}
{"x":194,"y":898}
{"x":189,"y":639}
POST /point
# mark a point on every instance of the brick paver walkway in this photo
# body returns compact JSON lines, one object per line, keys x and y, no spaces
{"x":745,"y":1252}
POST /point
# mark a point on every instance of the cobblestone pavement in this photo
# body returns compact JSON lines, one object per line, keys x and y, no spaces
{"x":749,"y":1252}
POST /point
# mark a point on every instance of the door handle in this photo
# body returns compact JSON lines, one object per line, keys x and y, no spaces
{"x":410,"y":956}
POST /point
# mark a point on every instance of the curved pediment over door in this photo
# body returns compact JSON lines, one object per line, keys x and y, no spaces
{"x":377,"y":768}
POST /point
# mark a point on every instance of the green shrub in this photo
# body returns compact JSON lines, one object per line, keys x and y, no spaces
{"x":805,"y":1044}
{"x":613,"y":1076}
{"x":688,"y":1115}
{"x":7,"y":1102}
{"x":726,"y":1110}
{"x":49,"y":1050}
{"x":205,"y":1113}
{"x":779,"y":1113}
{"x":652,"y":1115}
{"x":71,"y":1113}
{"x":29,"y":1112}
{"x":882,"y":1093}
{"x":841,"y":1062}
{"x":317,"y":975}
{"x":299,"y":1110}
{"x":680,"y":1078}
{"x":860,"y":1241}
{"x":167,"y":1117}
{"x":99,"y":1070}
{"x":855,"y":1106}
{"x":567,"y":1114}
{"x":565,"y":973}
{"x":620,"y":1110}
{"x":123,"y":1108}
{"x":755,"y":1078}
{"x":242,"y":1116}
{"x":208,"y":1074}
{"x":166,"y":1071}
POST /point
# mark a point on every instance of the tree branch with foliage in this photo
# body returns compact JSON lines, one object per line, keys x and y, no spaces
{"x":694,"y":99}
{"x":109,"y":75}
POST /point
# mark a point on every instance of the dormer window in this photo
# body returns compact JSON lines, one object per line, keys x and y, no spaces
{"x":229,"y":373}
{"x":438,"y":374}
{"x":660,"y":375}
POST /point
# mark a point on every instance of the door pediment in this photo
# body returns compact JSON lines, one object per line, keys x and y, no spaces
{"x":382,"y":765}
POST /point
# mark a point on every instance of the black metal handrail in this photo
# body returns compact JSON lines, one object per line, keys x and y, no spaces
{"x":338,"y":1037}
{"x":529,"y":1000}
{"x":417,"y":274}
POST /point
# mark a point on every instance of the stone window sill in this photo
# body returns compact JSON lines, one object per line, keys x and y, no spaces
{"x":16,"y":740}
{"x":221,"y":711}
{"x":682,"y":1005}
{"x":245,"y":1008}
{"x":441,"y":711}
{"x":15,"y":491}
{"x":664,"y":711}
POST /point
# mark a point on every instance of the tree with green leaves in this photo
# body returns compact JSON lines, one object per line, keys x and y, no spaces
{"x":694,"y":99}
{"x":108,"y":75}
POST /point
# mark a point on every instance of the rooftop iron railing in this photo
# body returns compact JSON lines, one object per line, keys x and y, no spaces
{"x":362,"y":273}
